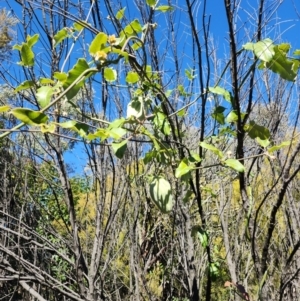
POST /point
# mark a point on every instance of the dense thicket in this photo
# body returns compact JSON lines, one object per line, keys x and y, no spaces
{"x":141,"y":162}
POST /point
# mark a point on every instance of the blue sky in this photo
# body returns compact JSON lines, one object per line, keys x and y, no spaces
{"x":284,"y":27}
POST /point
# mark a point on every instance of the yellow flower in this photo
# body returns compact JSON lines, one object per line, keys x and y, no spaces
{"x":112,"y":39}
{"x":100,"y":56}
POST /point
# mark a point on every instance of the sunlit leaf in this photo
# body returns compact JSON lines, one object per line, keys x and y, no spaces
{"x":136,"y":108}
{"x":212,"y":148}
{"x":29,"y":117}
{"x":254,"y":130}
{"x":120,"y":14}
{"x":31,"y":40}
{"x":110,"y":74}
{"x":162,"y":123}
{"x":117,"y":123}
{"x":296,"y":52}
{"x":264,"y":50}
{"x":235,"y":164}
{"x":117,"y":133}
{"x":183,"y":168}
{"x":72,"y":75}
{"x":278,"y":147}
{"x":263,"y":142}
{"x":98,"y":43}
{"x":221,"y":91}
{"x":232,"y":117}
{"x":214,"y":269}
{"x":27,"y":56}
{"x":61,"y":76}
{"x":25,"y":85}
{"x":46,"y":81}
{"x":44,"y":95}
{"x":151,"y":3}
{"x":68,"y":124}
{"x":133,"y":28}
{"x":218,"y":114}
{"x":164,"y":8}
{"x":182,"y":91}
{"x":201,"y":234}
{"x":48,"y":128}
{"x":4,"y":109}
{"x":81,"y":128}
{"x":119,"y":148}
{"x":282,"y":65}
{"x":132,"y":77}
{"x":100,"y":133}
{"x":60,"y":36}
{"x":190,"y":74}
{"x":77,"y":26}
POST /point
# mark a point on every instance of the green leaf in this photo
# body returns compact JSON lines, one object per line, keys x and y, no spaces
{"x":4,"y":109}
{"x":60,"y":36}
{"x":190,"y":74}
{"x":61,"y":76}
{"x":136,"y":108}
{"x":264,"y":50}
{"x":132,"y":77}
{"x":151,"y":3}
{"x":212,"y":148}
{"x":282,"y":65}
{"x":235,"y":164}
{"x":46,"y":81}
{"x":218,"y":114}
{"x":73,"y":74}
{"x":68,"y":124}
{"x":189,"y":194}
{"x":284,"y":47}
{"x":214,"y":269}
{"x":263,"y":142}
{"x":232,"y":117}
{"x":25,"y":85}
{"x":110,"y":74}
{"x":296,"y":52}
{"x":183,"y":168}
{"x":182,"y":91}
{"x":119,"y":148}
{"x":133,"y":28}
{"x":100,"y":133}
{"x":164,"y":8}
{"x":278,"y":147}
{"x":201,"y":234}
{"x":77,"y":26}
{"x":30,"y":41}
{"x":256,"y":131}
{"x":81,"y":129}
{"x":220,"y":91}
{"x":98,"y":43}
{"x":29,"y":117}
{"x":160,"y":192}
{"x":117,"y":133}
{"x":161,"y":122}
{"x":120,"y":14}
{"x":27,"y":56}
{"x":44,"y":95}
{"x":48,"y":128}
{"x":137,"y":45}
{"x":117,"y":123}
